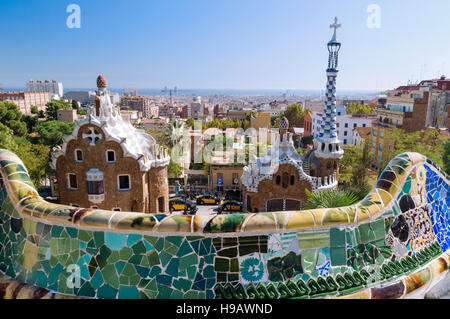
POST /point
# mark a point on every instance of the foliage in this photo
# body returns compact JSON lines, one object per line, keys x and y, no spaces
{"x":359,"y":191}
{"x":329,"y":198}
{"x":447,"y":156}
{"x":295,"y":115}
{"x":359,"y":108}
{"x":52,"y":132}
{"x":190,"y":122}
{"x":31,"y":122}
{"x":52,"y":108}
{"x":356,"y":161}
{"x":11,"y":117}
{"x":173,"y":169}
{"x":34,"y":109}
{"x":428,"y":142}
{"x":75,"y":105}
{"x":36,"y":158}
{"x":307,"y":140}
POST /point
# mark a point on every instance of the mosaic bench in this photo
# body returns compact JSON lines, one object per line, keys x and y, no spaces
{"x":392,"y":244}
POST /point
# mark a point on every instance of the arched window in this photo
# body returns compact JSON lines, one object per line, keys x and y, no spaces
{"x":330,"y":147}
{"x":292,"y":179}
{"x":285,"y":180}
{"x":278,"y":179}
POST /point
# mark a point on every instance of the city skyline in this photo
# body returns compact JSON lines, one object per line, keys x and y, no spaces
{"x":260,"y":45}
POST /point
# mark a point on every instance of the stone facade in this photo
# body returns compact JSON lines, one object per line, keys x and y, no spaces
{"x":278,"y":193}
{"x":107,"y":164}
{"x":94,"y":156}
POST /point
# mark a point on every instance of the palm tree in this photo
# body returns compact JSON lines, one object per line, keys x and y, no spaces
{"x":330,"y":198}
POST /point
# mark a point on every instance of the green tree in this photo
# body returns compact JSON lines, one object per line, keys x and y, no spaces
{"x":31,"y":122}
{"x":295,"y":115}
{"x":75,"y":105}
{"x":173,"y":169}
{"x":36,"y":158}
{"x":52,"y":108}
{"x":34,"y":109}
{"x":428,"y":142}
{"x":447,"y":156}
{"x":356,"y":161}
{"x":11,"y":117}
{"x":52,"y":132}
{"x":359,"y":108}
{"x":190,"y":122}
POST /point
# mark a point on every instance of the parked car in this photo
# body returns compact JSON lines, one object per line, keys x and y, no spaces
{"x":207,"y":199}
{"x":230,"y":206}
{"x":182,"y":204}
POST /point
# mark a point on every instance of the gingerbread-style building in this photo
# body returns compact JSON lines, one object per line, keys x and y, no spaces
{"x":277,"y":182}
{"x":106,"y":163}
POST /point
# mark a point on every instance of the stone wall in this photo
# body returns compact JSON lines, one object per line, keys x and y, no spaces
{"x":94,"y":156}
{"x":270,"y":189}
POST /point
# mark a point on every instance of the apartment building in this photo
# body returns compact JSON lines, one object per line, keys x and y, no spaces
{"x":25,"y":100}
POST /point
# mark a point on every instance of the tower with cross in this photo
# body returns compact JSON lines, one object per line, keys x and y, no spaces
{"x":328,"y":148}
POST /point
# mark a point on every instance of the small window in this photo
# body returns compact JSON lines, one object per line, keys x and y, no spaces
{"x":72,"y":181}
{"x":94,"y":207}
{"x":285,"y":180}
{"x":354,"y":125}
{"x":346,"y":125}
{"x":116,"y":209}
{"x":292,"y":179}
{"x":364,"y":125}
{"x":124,"y":182}
{"x":110,"y":156}
{"x":345,"y":133}
{"x":278,"y":179}
{"x":345,"y":141}
{"x":78,"y":155}
{"x":161,"y":204}
{"x":74,"y":205}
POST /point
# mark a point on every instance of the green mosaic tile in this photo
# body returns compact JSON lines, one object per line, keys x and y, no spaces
{"x":184,"y":249}
{"x":175,"y":240}
{"x":366,"y":232}
{"x":378,"y":227}
{"x":153,"y":258}
{"x":173,"y":267}
{"x":222,"y":264}
{"x":125,"y":253}
{"x":234,"y":265}
{"x":188,"y":261}
{"x":165,"y":258}
{"x":139,"y":248}
{"x":309,"y":259}
{"x":337,"y":237}
{"x":318,"y":239}
{"x":338,"y":256}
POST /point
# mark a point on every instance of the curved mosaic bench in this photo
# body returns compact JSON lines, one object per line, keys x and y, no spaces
{"x":394,"y":243}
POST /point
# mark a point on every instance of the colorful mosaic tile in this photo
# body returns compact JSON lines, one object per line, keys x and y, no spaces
{"x":402,"y":224}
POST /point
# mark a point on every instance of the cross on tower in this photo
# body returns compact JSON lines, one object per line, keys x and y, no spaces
{"x":335,"y":26}
{"x":92,"y":136}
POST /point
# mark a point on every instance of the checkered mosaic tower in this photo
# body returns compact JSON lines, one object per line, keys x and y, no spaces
{"x":327,"y":144}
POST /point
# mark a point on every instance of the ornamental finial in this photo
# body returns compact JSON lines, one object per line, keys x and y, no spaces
{"x":335,"y":26}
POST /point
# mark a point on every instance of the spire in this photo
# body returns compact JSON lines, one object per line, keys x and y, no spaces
{"x":335,"y":26}
{"x":327,"y":144}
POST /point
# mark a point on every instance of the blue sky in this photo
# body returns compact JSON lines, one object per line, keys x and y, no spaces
{"x":227,"y":44}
